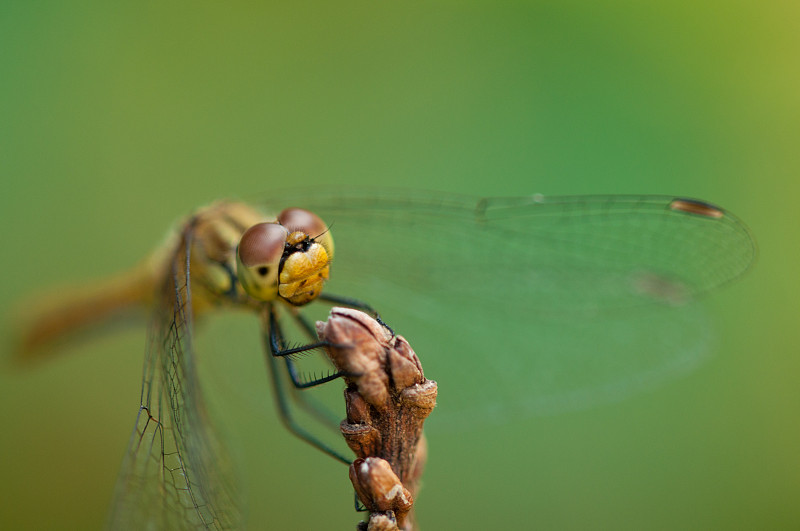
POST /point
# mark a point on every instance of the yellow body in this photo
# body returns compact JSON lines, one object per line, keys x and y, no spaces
{"x":211,"y":235}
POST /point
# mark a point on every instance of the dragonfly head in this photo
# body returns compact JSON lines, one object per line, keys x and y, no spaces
{"x":289,"y":258}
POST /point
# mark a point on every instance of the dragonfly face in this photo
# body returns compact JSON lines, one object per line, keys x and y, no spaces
{"x":238,"y":258}
{"x":284,"y":258}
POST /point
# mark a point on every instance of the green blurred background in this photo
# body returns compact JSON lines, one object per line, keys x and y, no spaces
{"x":116,"y":121}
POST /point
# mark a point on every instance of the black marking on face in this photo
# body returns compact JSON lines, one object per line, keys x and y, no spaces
{"x":299,"y":247}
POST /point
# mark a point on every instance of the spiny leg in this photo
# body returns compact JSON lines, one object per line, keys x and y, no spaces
{"x":307,"y":401}
{"x":277,"y":349}
{"x":271,"y":339}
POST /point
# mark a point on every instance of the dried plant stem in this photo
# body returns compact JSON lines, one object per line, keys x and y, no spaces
{"x":388,"y":399}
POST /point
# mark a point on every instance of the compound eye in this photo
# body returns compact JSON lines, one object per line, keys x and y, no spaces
{"x":258,"y":258}
{"x":298,"y":219}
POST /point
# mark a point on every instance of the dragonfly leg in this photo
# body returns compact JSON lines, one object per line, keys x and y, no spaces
{"x":354,"y":303}
{"x":277,"y":349}
{"x":360,"y":507}
{"x":283,"y":403}
{"x":289,"y":421}
{"x":308,"y":402}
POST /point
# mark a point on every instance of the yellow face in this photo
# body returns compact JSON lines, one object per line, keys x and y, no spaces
{"x":289,"y":258}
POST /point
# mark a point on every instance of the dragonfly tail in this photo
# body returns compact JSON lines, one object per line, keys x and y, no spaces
{"x":70,"y":314}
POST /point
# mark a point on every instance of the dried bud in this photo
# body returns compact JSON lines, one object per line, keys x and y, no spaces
{"x":380,"y":489}
{"x":387,"y":400}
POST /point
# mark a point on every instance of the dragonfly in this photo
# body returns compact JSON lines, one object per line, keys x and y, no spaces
{"x":520,"y":306}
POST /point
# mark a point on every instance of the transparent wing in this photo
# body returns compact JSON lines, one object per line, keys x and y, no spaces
{"x":531,"y":305}
{"x":176,"y":474}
